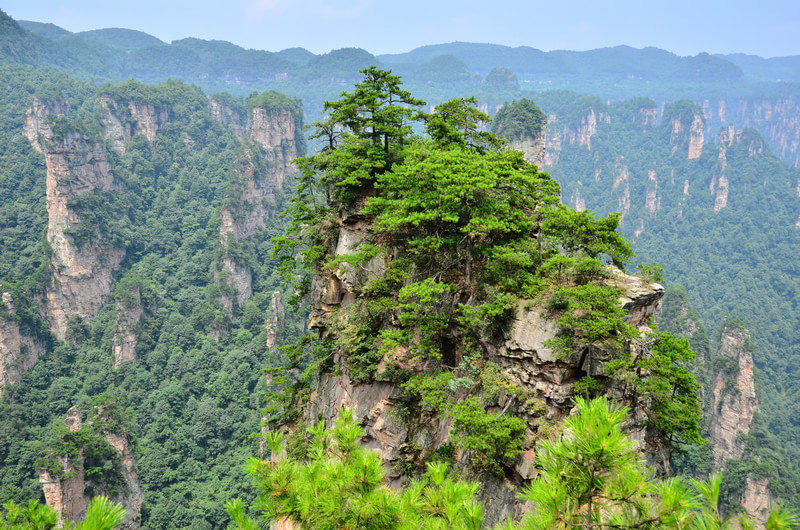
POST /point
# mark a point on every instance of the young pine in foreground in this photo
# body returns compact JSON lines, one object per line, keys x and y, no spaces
{"x":590,"y":476}
{"x":101,"y":514}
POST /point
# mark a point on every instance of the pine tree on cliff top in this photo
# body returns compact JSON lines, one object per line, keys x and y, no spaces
{"x":466,"y":229}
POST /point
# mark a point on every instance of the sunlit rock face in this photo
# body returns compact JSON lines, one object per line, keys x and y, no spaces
{"x":81,"y":273}
{"x":404,"y":434}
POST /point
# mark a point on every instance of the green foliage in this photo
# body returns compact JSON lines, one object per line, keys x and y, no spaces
{"x":675,"y":405}
{"x":591,"y":317}
{"x":101,"y":514}
{"x":489,"y":436}
{"x":651,"y":273}
{"x":592,"y":477}
{"x":339,"y":484}
{"x":272,"y":101}
{"x":34,"y":516}
{"x":459,"y":122}
{"x":193,"y":396}
{"x":521,"y":119}
{"x":430,"y":390}
{"x":420,"y":308}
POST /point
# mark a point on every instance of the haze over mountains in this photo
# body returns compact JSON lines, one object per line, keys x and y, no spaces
{"x":183,"y":302}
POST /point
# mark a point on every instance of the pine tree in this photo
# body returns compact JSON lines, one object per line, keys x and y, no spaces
{"x":340,"y":484}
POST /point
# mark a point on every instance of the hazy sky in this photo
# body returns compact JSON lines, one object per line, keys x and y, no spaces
{"x":769,"y":28}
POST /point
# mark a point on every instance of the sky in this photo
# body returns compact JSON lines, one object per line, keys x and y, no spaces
{"x":769,"y":28}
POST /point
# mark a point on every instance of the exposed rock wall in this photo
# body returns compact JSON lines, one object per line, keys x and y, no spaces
{"x":689,"y":134}
{"x":580,"y":133}
{"x":552,"y":141}
{"x":275,"y":320}
{"x":651,"y":200}
{"x":256,"y":178}
{"x":239,"y":279}
{"x":534,"y":148}
{"x":18,"y":350}
{"x":733,"y":396}
{"x":65,"y":491}
{"x":276,"y":132}
{"x":36,"y":119}
{"x":123,"y":119}
{"x":523,"y":357}
{"x":777,"y":119}
{"x":133,"y":495}
{"x":757,"y":501}
{"x":228,"y":116}
{"x":732,"y":404}
{"x":66,"y":495}
{"x":81,"y":275}
{"x":622,"y":188}
{"x":252,"y":197}
{"x":729,"y":138}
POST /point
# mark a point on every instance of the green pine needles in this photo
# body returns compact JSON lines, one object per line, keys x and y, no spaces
{"x":447,"y":232}
{"x":590,"y":477}
{"x":340,"y":484}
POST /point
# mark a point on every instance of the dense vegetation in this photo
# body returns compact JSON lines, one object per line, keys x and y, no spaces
{"x":732,"y":260}
{"x":192,"y":399}
{"x":101,"y":514}
{"x":591,"y":477}
{"x":194,"y":396}
{"x":464,"y":229}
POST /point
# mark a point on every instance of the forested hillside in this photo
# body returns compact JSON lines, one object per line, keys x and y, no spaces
{"x":719,"y":213}
{"x":748,"y":91}
{"x":171,"y":360}
{"x":139,"y":284}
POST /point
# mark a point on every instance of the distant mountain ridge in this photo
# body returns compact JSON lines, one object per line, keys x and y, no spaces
{"x":647,"y":63}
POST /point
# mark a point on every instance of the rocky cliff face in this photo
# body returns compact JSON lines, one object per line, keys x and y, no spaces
{"x":622,"y":187}
{"x":733,"y":395}
{"x":732,"y":138}
{"x":36,"y":119}
{"x":732,"y":404}
{"x":580,"y":133}
{"x":688,"y":133}
{"x":534,"y":148}
{"x":65,"y":491}
{"x":229,"y":116}
{"x":66,"y":495}
{"x":133,"y":496}
{"x":256,"y":178}
{"x":275,"y":320}
{"x":123,"y":119}
{"x":18,"y":350}
{"x":757,"y":501}
{"x":777,"y":119}
{"x":276,"y":132}
{"x":405,"y":435}
{"x":81,"y":274}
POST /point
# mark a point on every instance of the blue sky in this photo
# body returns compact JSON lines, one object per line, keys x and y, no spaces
{"x":769,"y":28}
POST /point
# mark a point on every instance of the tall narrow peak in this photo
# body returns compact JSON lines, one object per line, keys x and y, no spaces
{"x":464,"y":329}
{"x":732,"y":404}
{"x":66,"y":480}
{"x":733,"y":394}
{"x":81,"y":263}
{"x":685,"y":124}
{"x":524,"y":125}
{"x":257,"y":176}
